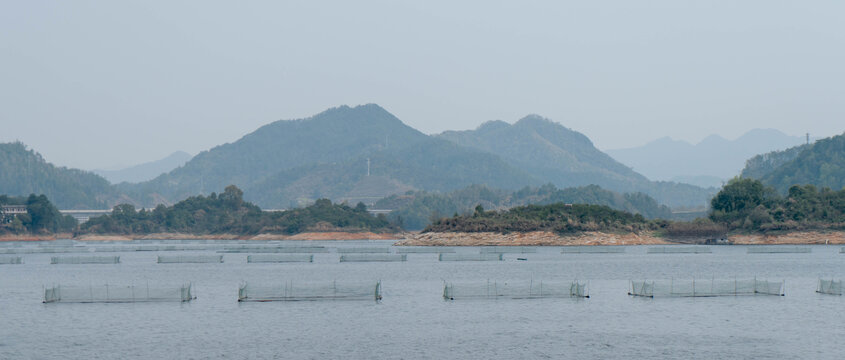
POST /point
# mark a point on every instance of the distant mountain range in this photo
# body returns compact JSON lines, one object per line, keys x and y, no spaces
{"x":145,"y":171}
{"x":708,"y":163}
{"x":363,"y":153}
{"x":821,"y":163}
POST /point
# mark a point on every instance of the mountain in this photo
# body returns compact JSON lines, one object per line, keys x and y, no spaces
{"x":24,"y":172}
{"x":145,"y":171}
{"x":714,"y":157}
{"x":291,"y":162}
{"x":822,"y":164}
{"x":566,"y":158}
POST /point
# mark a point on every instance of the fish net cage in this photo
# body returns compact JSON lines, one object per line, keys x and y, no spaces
{"x":679,"y":250}
{"x":592,"y":250}
{"x":310,"y":291}
{"x":189,"y":259}
{"x":470,"y":257}
{"x":830,"y":287}
{"x":706,"y":288}
{"x":424,"y":250}
{"x":10,"y":260}
{"x":373,"y":257}
{"x":85,"y":260}
{"x":778,"y":250}
{"x":507,"y":250}
{"x":58,"y":250}
{"x":273,"y":249}
{"x":117,"y":294}
{"x":515,"y":290}
{"x":281,"y":258}
{"x":363,"y":250}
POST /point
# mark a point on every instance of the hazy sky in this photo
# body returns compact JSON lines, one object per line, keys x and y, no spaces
{"x":103,"y":83}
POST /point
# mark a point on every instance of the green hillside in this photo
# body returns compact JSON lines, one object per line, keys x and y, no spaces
{"x":24,"y":172}
{"x":822,"y":165}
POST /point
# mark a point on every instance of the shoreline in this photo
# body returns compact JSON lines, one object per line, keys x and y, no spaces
{"x":311,"y":236}
{"x":544,"y":238}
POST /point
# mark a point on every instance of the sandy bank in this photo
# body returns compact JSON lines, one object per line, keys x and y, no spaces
{"x":793,"y":238}
{"x":180,"y":236}
{"x":535,"y":238}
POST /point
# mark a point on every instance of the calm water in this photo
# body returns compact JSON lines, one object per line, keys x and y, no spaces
{"x":414,"y":322}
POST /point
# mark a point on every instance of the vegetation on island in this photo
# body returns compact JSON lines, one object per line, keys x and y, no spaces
{"x":228,"y":213}
{"x":559,"y":217}
{"x":41,"y":217}
{"x":750,"y":205}
{"x":415,"y":210}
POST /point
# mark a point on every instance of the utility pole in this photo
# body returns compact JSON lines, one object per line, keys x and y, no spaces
{"x":808,"y":138}
{"x":368,"y":166}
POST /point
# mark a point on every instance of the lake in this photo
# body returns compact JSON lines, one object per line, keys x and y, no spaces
{"x":413,"y":321}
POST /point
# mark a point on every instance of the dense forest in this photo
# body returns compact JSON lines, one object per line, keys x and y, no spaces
{"x":25,"y":172}
{"x":822,"y":165}
{"x":750,"y":205}
{"x":41,"y":217}
{"x":228,"y":213}
{"x":559,"y":217}
{"x":416,"y":209}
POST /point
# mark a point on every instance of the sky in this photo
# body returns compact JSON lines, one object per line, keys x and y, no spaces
{"x":103,"y":84}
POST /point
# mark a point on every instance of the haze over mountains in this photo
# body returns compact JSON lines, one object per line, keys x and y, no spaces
{"x":353,"y":154}
{"x":145,"y":171}
{"x":707,"y":163}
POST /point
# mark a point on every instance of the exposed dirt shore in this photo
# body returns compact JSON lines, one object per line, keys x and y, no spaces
{"x":599,"y":238}
{"x":180,"y":236}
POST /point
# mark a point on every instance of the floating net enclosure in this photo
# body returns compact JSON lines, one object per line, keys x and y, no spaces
{"x":470,"y":257}
{"x":424,"y":250}
{"x":112,"y":293}
{"x":195,"y":259}
{"x":705,"y":288}
{"x":679,"y":250}
{"x":273,"y":249}
{"x":85,"y":260}
{"x":364,"y":250}
{"x":507,"y":250}
{"x":372,"y":257}
{"x":778,"y":250}
{"x":10,"y":260}
{"x":280,"y":258}
{"x":831,"y":287}
{"x":296,"y":291}
{"x":592,"y":250}
{"x":515,"y":290}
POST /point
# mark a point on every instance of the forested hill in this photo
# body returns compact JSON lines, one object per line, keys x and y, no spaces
{"x":291,"y":163}
{"x":822,"y":165}
{"x":416,"y":210}
{"x":566,"y":158}
{"x":764,"y":164}
{"x":24,"y":172}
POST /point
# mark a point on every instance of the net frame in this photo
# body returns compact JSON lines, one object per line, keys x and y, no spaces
{"x":189,"y":259}
{"x":679,"y":250}
{"x":830,"y":287}
{"x":778,"y":250}
{"x":363,"y":250}
{"x":613,"y":249}
{"x":705,"y":288}
{"x":117,"y":294}
{"x":515,"y":290}
{"x":373,"y":257}
{"x":424,"y":250}
{"x":507,"y":250}
{"x":84,"y":260}
{"x":310,"y":291}
{"x":470,"y":257}
{"x":279,"y":258}
{"x":11,"y":260}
